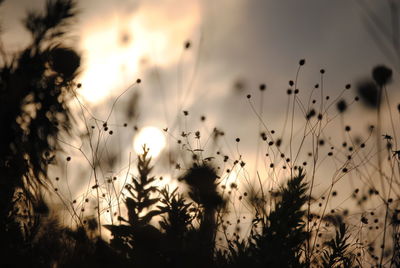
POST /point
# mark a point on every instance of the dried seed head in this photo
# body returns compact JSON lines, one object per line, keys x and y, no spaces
{"x":382,"y":75}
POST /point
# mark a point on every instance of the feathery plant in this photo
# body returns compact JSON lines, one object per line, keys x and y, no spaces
{"x":283,"y":233}
{"x":337,"y":251}
{"x":178,"y":216}
{"x":288,"y":226}
{"x":279,"y":241}
{"x":178,"y":219}
{"x":136,"y":239}
{"x":140,"y":190}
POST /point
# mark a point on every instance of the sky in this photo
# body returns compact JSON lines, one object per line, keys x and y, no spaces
{"x":235,"y":46}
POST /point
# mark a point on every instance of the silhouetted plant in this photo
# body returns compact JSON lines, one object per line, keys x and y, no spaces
{"x":202,"y":182}
{"x":337,"y":252}
{"x":369,"y":93}
{"x":178,"y":218}
{"x":382,"y":75}
{"x":34,"y":88}
{"x":137,"y":239}
{"x":395,"y":261}
{"x":280,"y":240}
{"x":283,"y":234}
{"x":166,"y":227}
{"x":179,"y":230}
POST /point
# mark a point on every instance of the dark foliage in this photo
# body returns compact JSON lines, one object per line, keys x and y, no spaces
{"x":34,"y":88}
{"x":395,"y":261}
{"x":137,"y":240}
{"x":282,"y":236}
{"x":181,"y":244}
{"x":382,"y":75}
{"x":202,"y":182}
{"x":337,"y":252}
{"x":368,"y":93}
{"x":162,"y":227}
{"x":178,"y":243}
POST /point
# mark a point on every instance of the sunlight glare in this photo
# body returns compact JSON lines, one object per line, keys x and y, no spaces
{"x":152,"y":137}
{"x":151,"y":36}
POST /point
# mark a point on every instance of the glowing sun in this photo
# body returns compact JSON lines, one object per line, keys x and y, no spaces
{"x":152,"y":137}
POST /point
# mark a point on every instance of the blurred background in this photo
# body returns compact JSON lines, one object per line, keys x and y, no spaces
{"x":198,"y":61}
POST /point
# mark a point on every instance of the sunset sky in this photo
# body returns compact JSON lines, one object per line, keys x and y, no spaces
{"x":246,"y":42}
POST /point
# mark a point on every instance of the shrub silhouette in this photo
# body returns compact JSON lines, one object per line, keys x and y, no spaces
{"x":337,"y":252}
{"x":34,"y":88}
{"x":138,"y":240}
{"x":166,"y":227}
{"x":177,"y":224}
{"x":180,"y":244}
{"x":283,"y":231}
{"x":280,"y":240}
